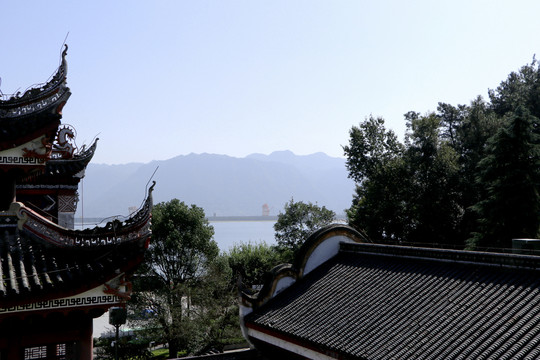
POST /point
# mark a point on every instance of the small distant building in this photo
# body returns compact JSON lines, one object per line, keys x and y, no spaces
{"x":347,"y":298}
{"x":54,"y":280}
{"x":265,"y":210}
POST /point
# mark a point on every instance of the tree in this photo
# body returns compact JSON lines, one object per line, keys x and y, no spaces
{"x":433,"y":198}
{"x":521,"y":88}
{"x":452,"y":118}
{"x":183,"y":278}
{"x":297,"y":222}
{"x":478,"y":125}
{"x":215,"y":308}
{"x":510,"y":175}
{"x":375,"y":160}
{"x":370,"y":147}
{"x":426,"y":190}
{"x":406,"y":193}
{"x":379,"y":206}
{"x":252,"y":261}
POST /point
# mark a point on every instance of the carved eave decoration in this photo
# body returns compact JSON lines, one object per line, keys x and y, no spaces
{"x":60,"y":171}
{"x":113,"y":233}
{"x":72,"y":165}
{"x":113,"y":293}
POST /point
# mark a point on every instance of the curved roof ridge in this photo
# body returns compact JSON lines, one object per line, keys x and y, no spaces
{"x":72,"y":165}
{"x":39,"y":91}
{"x":85,"y":155}
{"x":320,"y":246}
{"x":36,"y":113}
{"x":114,"y":232}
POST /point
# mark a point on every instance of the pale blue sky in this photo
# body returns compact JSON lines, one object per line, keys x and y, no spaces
{"x":156,"y":79}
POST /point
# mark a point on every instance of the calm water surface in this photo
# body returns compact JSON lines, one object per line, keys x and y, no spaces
{"x":229,"y":233}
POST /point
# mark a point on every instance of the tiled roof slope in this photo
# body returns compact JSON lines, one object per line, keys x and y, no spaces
{"x":33,"y":271}
{"x":389,"y":302}
{"x":40,"y":260}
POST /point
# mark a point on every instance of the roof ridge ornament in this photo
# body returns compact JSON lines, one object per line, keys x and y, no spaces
{"x":64,"y":146}
{"x":320,"y":246}
{"x":15,"y":209}
{"x":64,"y":53}
{"x":37,"y":92}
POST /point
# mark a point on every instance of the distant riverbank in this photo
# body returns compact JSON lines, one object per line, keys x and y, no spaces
{"x":242,"y":218}
{"x":102,"y":221}
{"x":91,"y":222}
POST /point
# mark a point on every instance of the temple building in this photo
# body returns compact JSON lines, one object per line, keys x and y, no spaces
{"x":54,"y":280}
{"x":347,"y":298}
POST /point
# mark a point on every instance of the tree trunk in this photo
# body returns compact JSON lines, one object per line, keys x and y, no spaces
{"x":173,"y":350}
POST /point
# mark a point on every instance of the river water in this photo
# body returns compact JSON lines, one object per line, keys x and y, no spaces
{"x":229,"y":233}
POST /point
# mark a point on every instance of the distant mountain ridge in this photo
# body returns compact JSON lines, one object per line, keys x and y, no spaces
{"x":222,"y":185}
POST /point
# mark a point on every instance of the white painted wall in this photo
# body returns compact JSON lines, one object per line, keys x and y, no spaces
{"x":325,"y":251}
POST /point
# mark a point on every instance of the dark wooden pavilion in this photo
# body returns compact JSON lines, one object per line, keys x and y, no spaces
{"x":54,"y":280}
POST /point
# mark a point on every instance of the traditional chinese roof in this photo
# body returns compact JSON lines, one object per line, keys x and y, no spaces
{"x":370,"y":301}
{"x":71,"y":166}
{"x":36,"y":112}
{"x":40,"y":260}
{"x":61,"y":170}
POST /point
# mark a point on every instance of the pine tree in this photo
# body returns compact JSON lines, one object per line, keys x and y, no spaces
{"x":510,"y":178}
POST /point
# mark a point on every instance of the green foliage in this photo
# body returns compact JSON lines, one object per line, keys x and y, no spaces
{"x":510,"y":174}
{"x":378,"y":206}
{"x":182,"y":243}
{"x":186,"y":299}
{"x":464,"y":172}
{"x":297,"y":222}
{"x":162,"y":353}
{"x":370,"y":146}
{"x":409,"y":195}
{"x":432,"y":183}
{"x":253,"y":261}
{"x":375,"y":162}
{"x":129,"y":347}
{"x":521,"y":88}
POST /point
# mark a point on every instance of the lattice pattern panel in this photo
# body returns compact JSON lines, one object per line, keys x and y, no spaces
{"x":67,"y":203}
{"x":61,"y":350}
{"x":64,"y":351}
{"x":37,"y":352}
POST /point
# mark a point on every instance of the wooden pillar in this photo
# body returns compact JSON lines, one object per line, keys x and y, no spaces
{"x":15,"y":350}
{"x":86,"y":344}
{"x":7,"y":190}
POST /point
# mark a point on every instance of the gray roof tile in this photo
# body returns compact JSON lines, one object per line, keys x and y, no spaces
{"x":379,"y":302}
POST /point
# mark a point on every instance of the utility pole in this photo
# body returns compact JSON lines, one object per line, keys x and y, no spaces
{"x":117,"y":317}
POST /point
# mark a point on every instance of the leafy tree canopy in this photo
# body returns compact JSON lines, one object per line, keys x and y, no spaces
{"x":184,"y":296}
{"x":252,"y":261}
{"x":465,"y":175}
{"x":182,"y":242}
{"x":370,"y":146}
{"x":297,"y":222}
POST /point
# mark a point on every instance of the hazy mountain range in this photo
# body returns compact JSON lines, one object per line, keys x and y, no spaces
{"x":220,"y":184}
